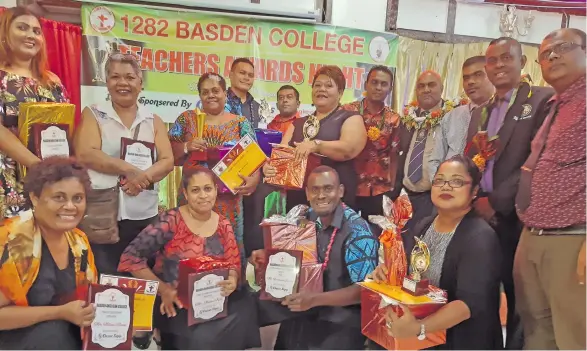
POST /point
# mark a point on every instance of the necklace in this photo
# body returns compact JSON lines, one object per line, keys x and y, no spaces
{"x":432,"y":119}
{"x":311,"y":126}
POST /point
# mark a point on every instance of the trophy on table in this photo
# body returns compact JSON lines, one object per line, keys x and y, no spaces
{"x":419,"y":261}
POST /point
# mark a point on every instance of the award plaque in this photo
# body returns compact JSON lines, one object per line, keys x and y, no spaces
{"x":140,"y":154}
{"x":112,"y":328}
{"x":419,"y":261}
{"x":281,"y":276}
{"x":144,"y":301}
{"x":206,"y":300}
{"x":49,"y":140}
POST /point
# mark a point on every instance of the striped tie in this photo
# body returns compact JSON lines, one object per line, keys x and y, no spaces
{"x":417,"y":157}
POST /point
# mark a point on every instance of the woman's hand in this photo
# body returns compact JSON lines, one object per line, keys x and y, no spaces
{"x":136,"y":181}
{"x":258,"y":258}
{"x":268,"y":170}
{"x":379,"y":275}
{"x":227,"y":286}
{"x":406,"y":326}
{"x":169,"y":301}
{"x":197,"y":144}
{"x":304,"y":149}
{"x":581,"y":265}
{"x":249,"y":185}
{"x":78,"y":312}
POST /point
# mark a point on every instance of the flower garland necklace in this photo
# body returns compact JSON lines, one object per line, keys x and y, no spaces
{"x":432,"y":119}
{"x":374,"y":132}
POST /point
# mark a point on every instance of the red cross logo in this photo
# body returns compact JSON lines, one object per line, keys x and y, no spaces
{"x":102,"y":19}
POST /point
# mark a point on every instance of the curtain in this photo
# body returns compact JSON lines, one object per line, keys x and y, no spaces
{"x":416,"y":56}
{"x":63,"y":41}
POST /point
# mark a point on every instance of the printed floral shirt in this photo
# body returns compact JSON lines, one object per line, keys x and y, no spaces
{"x":376,"y":164}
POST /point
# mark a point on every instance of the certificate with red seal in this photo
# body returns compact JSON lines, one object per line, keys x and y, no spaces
{"x":48,"y":140}
{"x":138,"y":153}
{"x":112,"y":327}
{"x":281,"y":274}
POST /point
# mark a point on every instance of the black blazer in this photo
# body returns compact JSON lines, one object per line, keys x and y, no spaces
{"x":470,"y":273}
{"x":405,"y":139}
{"x":515,"y":137}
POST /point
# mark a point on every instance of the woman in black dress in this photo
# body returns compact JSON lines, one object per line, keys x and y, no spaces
{"x":331,"y":131}
{"x":465,"y":262}
{"x":43,"y":258}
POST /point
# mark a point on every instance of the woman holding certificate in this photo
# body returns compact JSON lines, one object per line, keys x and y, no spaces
{"x":193,"y":231}
{"x":24,"y":77}
{"x":330,"y":131}
{"x":126,"y":149}
{"x":464,"y":260}
{"x":44,"y":258}
{"x":195,"y":133}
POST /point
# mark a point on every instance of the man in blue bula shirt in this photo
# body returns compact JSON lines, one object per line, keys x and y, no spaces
{"x":347,"y":248}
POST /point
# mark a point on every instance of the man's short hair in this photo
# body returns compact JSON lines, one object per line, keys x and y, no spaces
{"x":380,"y":68}
{"x":241,"y":60}
{"x":508,"y":40}
{"x":577,"y":32}
{"x":473,"y":60}
{"x":289,"y":87}
{"x":326,"y":169}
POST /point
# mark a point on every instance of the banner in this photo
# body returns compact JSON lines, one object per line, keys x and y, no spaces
{"x":175,"y":48}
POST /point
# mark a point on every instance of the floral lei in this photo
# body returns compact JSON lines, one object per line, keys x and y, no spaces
{"x":432,"y":119}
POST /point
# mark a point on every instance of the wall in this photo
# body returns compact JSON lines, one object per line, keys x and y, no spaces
{"x":465,"y":19}
{"x":8,"y":3}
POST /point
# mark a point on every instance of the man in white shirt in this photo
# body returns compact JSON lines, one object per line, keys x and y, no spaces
{"x":454,"y":126}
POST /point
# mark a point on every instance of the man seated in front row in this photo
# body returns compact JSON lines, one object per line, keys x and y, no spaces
{"x":347,"y":248}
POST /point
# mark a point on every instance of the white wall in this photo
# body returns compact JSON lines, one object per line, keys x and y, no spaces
{"x":8,"y":3}
{"x":422,"y":15}
{"x":360,"y":14}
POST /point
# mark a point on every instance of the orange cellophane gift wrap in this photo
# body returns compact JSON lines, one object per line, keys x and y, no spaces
{"x":292,"y":232}
{"x":291,"y":173}
{"x":374,"y":308}
{"x":391,"y":250}
{"x":196,"y":265}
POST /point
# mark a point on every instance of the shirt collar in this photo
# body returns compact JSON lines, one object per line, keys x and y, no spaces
{"x":278,"y":120}
{"x":232,"y":95}
{"x":473,"y":105}
{"x":337,"y":218}
{"x":142,"y":113}
{"x":365,"y":108}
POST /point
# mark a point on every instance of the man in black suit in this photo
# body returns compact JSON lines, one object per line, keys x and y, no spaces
{"x":513,"y":115}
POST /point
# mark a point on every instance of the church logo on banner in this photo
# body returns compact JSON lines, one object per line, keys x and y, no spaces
{"x":102,"y":19}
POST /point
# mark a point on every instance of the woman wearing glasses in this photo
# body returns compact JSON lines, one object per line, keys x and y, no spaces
{"x":465,"y":260}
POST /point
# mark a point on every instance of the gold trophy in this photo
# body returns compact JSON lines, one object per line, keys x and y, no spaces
{"x":196,"y":156}
{"x":419,"y":261}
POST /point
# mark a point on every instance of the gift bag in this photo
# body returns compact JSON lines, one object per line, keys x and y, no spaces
{"x":291,"y":173}
{"x":391,"y":248}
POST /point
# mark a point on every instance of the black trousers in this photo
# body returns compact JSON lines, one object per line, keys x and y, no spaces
{"x":309,"y":333}
{"x":371,"y":205}
{"x":508,"y":231}
{"x":107,"y":256}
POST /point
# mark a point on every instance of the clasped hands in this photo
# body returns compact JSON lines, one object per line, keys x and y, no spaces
{"x":136,"y":180}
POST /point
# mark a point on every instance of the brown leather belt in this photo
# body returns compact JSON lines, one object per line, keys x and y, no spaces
{"x":579,"y":229}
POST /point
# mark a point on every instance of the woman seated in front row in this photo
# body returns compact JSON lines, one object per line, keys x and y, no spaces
{"x":193,"y":230}
{"x":43,"y":258}
{"x":465,"y":260}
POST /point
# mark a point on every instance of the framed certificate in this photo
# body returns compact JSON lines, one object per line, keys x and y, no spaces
{"x":206,"y":301}
{"x":244,"y":159}
{"x":281,"y":274}
{"x":112,"y":326}
{"x":140,"y":154}
{"x":145,"y":294}
{"x":49,"y":140}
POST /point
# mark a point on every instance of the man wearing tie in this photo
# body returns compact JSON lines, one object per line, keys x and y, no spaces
{"x":512,"y":116}
{"x":416,"y":144}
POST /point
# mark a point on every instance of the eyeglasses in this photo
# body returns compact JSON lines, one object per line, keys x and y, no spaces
{"x":559,"y":49}
{"x":453,"y":183}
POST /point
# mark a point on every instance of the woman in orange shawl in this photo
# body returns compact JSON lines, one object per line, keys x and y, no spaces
{"x":43,"y":258}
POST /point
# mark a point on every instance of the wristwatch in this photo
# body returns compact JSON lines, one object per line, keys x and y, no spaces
{"x":422,"y":334}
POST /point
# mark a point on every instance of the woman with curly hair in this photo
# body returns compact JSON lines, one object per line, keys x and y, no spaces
{"x":43,"y":257}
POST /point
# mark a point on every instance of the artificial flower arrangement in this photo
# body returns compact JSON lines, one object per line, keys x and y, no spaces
{"x":431,"y":120}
